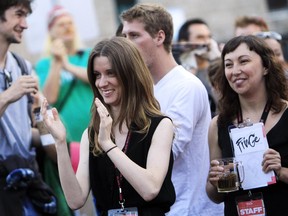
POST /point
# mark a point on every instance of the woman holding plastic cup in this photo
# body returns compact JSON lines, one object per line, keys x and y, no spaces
{"x":253,"y":89}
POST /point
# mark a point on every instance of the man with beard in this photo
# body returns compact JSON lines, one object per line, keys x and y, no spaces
{"x":22,"y":190}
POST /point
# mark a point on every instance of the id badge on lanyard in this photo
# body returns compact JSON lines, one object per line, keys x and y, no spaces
{"x":249,"y":143}
{"x":251,"y":205}
{"x":123,"y":212}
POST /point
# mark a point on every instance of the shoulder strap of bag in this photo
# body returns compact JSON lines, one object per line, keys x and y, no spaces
{"x":61,"y":105}
{"x":21,"y":63}
{"x":24,"y":71}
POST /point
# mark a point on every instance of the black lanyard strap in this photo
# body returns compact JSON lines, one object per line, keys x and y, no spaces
{"x":265,"y":112}
{"x":263,"y":116}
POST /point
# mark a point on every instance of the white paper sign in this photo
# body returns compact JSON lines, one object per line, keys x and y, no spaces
{"x":249,"y":145}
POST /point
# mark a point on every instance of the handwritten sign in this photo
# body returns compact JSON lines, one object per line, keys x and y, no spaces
{"x":249,"y":144}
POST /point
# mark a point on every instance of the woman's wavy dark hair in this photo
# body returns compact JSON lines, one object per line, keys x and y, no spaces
{"x":138,"y":103}
{"x":275,"y":80}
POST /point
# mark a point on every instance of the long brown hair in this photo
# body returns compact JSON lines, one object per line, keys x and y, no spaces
{"x":138,"y":103}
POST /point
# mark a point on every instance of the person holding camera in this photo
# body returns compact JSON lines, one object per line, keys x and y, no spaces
{"x":197,"y":60}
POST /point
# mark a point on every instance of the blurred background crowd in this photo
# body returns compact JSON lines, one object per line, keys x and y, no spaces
{"x":96,"y":19}
{"x":59,"y":51}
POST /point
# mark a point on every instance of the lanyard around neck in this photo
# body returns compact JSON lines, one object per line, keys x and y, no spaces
{"x":263,"y":116}
{"x":119,"y":176}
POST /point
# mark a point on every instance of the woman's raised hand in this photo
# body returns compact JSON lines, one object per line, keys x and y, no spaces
{"x":53,"y":123}
{"x":104,"y":137}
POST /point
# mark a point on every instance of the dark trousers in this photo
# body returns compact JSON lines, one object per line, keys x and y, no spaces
{"x":12,"y":200}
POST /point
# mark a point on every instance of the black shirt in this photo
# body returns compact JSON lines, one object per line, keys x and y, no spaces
{"x":275,"y":195}
{"x":105,"y":188}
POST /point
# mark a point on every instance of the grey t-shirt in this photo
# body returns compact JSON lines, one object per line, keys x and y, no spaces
{"x":15,"y":123}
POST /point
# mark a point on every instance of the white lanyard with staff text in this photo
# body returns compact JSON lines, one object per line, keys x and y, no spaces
{"x":119,"y":176}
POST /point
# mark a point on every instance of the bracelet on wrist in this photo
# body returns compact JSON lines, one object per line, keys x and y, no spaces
{"x":110,"y":149}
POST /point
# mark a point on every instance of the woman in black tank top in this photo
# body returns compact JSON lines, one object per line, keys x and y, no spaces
{"x":253,"y":86}
{"x":125,"y":154}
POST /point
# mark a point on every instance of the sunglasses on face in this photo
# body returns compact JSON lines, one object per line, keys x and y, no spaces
{"x":269,"y":34}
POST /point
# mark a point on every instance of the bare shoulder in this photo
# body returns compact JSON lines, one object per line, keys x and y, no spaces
{"x":165,"y":123}
{"x":166,"y":120}
{"x":213,"y":123}
{"x":213,"y":131}
{"x":85,"y":138}
{"x":164,"y":132}
{"x":85,"y":133}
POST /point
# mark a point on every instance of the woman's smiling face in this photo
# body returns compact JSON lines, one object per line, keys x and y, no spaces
{"x":244,"y":70}
{"x":106,"y":81}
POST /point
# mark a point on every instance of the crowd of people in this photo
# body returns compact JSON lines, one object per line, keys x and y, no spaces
{"x":151,"y":117}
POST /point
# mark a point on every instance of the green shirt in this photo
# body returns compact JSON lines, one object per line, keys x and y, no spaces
{"x":75,"y":112}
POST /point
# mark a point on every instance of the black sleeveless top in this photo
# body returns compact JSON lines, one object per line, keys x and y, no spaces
{"x":104,"y":185}
{"x":275,"y":196}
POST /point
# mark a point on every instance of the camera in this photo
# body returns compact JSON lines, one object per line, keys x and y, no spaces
{"x":181,"y":47}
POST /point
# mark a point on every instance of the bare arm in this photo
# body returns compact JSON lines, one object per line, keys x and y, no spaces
{"x":78,"y":71}
{"x":215,"y":152}
{"x":146,"y":181}
{"x":60,"y":62}
{"x":76,"y":187}
{"x":23,"y":85}
{"x":50,"y":150}
{"x":4,"y":102}
{"x":52,"y":84}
